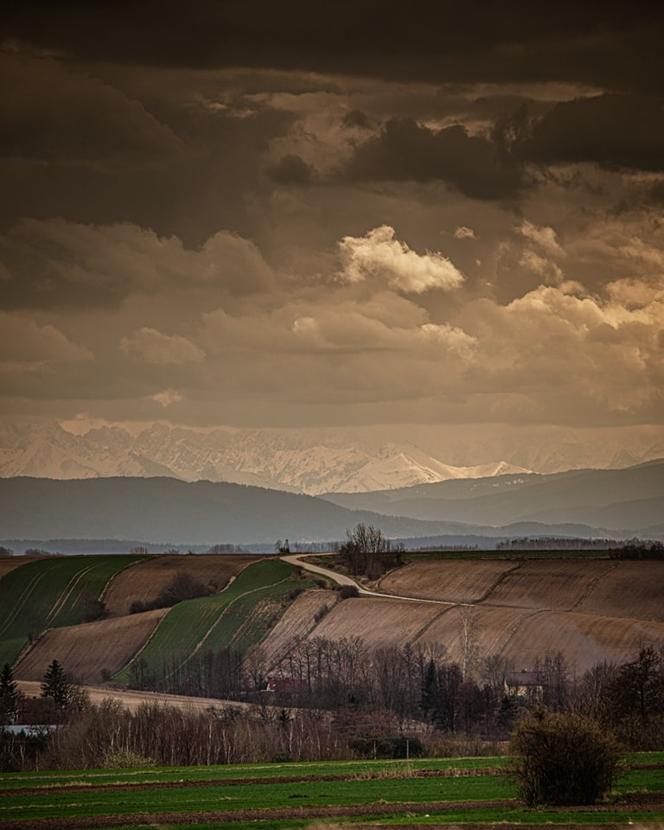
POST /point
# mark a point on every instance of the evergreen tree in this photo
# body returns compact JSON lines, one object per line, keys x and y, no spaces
{"x":429,"y":689}
{"x":8,"y":694}
{"x":56,"y":686}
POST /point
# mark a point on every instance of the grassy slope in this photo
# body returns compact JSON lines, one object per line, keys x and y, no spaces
{"x":399,"y":791}
{"x":230,"y":617}
{"x":50,"y":592}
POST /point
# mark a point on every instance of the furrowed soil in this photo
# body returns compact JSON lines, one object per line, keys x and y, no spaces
{"x":297,"y":622}
{"x":521,"y":610}
{"x":48,"y":592}
{"x":145,"y":581}
{"x":89,"y":649}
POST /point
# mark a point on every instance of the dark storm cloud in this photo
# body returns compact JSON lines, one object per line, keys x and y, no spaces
{"x":47,"y":112}
{"x":76,"y":147}
{"x":356,"y":118}
{"x":291,"y":169}
{"x":613,"y":131}
{"x":606,"y":43}
{"x":404,"y":150}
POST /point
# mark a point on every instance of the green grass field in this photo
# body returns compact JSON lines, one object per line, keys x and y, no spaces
{"x":354,"y":795}
{"x":50,"y":592}
{"x":237,"y":616}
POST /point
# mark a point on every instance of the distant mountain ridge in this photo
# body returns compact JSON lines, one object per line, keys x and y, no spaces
{"x":612,"y":499}
{"x":630,"y":502}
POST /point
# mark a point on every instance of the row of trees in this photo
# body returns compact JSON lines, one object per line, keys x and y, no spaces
{"x":350,"y":703}
{"x":419,"y":684}
{"x":60,"y":696}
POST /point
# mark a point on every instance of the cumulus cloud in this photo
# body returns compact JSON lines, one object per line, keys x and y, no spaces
{"x":463,"y":232}
{"x":152,"y":346}
{"x":541,"y":266}
{"x":380,"y":254}
{"x":544,"y":237}
{"x":166,"y":397}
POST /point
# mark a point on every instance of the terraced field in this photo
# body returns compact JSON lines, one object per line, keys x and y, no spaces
{"x":608,"y":587}
{"x":50,"y":592}
{"x":146,"y":580}
{"x":239,"y":616}
{"x":379,"y":622}
{"x":299,"y":620}
{"x":423,"y":792}
{"x":90,"y":649}
{"x":9,"y":563}
{"x":590,"y":610}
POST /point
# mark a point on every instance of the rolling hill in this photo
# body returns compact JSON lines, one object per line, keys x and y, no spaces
{"x":203,"y":513}
{"x":630,"y":498}
{"x":588,"y":610}
{"x":519,"y":610}
{"x":51,"y":592}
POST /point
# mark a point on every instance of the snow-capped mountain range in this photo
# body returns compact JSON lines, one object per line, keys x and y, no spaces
{"x":277,"y":459}
{"x":312,"y":461}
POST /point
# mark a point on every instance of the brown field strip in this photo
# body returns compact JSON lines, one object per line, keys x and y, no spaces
{"x":378,"y":622}
{"x":631,"y":589}
{"x":645,"y":802}
{"x":10,"y":563}
{"x":455,"y":581}
{"x":90,"y":648}
{"x":144,"y":581}
{"x":296,"y":623}
{"x":273,"y":813}
{"x":552,"y":584}
{"x":607,"y":587}
{"x":584,"y":639}
{"x":134,"y":699}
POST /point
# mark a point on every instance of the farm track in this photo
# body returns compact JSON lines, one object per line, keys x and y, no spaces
{"x":61,"y":601}
{"x":342,"y":579}
{"x":23,"y":598}
{"x":499,"y":580}
{"x":645,"y":802}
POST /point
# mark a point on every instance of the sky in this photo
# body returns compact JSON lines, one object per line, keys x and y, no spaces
{"x":333,"y":215}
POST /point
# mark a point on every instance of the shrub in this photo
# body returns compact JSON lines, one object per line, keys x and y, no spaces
{"x":125,"y":759}
{"x":94,"y":609}
{"x":348,"y":592}
{"x":563,"y":759}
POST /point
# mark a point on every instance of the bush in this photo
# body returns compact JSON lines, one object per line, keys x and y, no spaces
{"x":563,"y":759}
{"x":125,"y":759}
{"x":94,"y":609}
{"x":348,"y":592}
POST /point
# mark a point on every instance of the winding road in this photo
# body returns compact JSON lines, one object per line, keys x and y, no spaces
{"x":342,"y":579}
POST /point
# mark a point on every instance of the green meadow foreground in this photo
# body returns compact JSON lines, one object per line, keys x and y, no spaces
{"x":418,"y":792}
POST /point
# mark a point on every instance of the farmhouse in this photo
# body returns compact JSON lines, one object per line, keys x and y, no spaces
{"x":524,"y":683}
